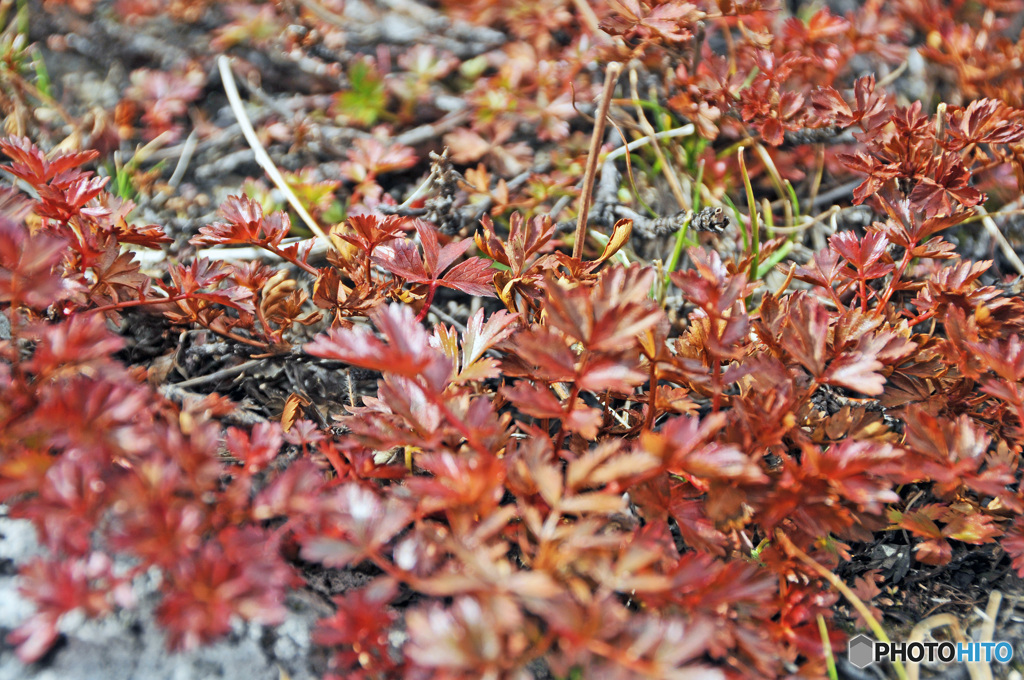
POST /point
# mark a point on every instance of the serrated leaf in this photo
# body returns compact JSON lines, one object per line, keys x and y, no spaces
{"x":975,"y":528}
{"x":408,"y":351}
{"x":856,"y":371}
{"x":480,"y":337}
{"x":401,"y":257}
{"x":806,"y":333}
{"x":473,"y":276}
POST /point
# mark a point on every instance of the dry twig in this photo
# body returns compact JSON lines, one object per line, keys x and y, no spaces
{"x":231,"y":89}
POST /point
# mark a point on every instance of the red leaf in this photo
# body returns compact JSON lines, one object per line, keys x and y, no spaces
{"x":973,"y":527}
{"x":806,"y":332}
{"x":546,"y":355}
{"x":934,"y":551}
{"x":245,"y":224}
{"x":149,"y":236}
{"x":535,"y":400}
{"x":823,"y":270}
{"x":61,"y":203}
{"x":857,"y":371}
{"x":950,"y":181}
{"x":240,"y":574}
{"x":407,"y":352}
{"x":478,"y":339}
{"x":26,"y":266}
{"x":369,"y":158}
{"x":294,"y":493}
{"x":1013,"y":544}
{"x":830,"y":107}
{"x":861,"y":252}
{"x":983,"y":121}
{"x":256,"y":448}
{"x":922,"y":522}
{"x":636,"y":20}
{"x":400,"y":257}
{"x":82,"y":338}
{"x":525,"y":239}
{"x":369,"y":231}
{"x":610,"y":374}
{"x":473,"y":276}
{"x":359,"y":524}
{"x":359,"y":628}
{"x":199,"y":273}
{"x":115,"y":268}
{"x":30,"y":163}
{"x":58,"y":587}
{"x":235,"y":297}
{"x":608,"y":317}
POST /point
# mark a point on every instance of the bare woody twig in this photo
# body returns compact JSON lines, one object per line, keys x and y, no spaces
{"x":223,"y":373}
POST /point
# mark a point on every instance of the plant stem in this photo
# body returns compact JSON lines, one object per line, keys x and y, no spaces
{"x":587,"y":197}
{"x":653,"y":399}
{"x":716,"y":384}
{"x":117,"y":306}
{"x":466,"y":433}
{"x":896,"y":276}
{"x":838,"y":584}
{"x":308,"y":268}
{"x":239,"y":338}
{"x":684,"y":131}
{"x":427,"y":302}
{"x":648,"y":129}
{"x":755,"y":236}
{"x":264,"y":160}
{"x":826,"y":645}
{"x":570,"y":405}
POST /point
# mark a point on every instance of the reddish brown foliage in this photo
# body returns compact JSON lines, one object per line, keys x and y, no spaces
{"x":584,"y":476}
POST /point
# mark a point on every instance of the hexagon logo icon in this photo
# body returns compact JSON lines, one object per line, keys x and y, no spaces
{"x":861,"y":651}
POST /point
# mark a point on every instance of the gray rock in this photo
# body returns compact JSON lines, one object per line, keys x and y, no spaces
{"x":130,"y":646}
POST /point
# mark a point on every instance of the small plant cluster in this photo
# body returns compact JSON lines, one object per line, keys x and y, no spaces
{"x":565,"y":493}
{"x":612,"y":468}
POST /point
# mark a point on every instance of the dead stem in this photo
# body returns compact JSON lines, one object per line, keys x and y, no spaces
{"x":231,"y":89}
{"x":587,"y":197}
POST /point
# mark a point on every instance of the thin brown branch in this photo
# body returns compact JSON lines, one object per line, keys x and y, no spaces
{"x":587,"y":197}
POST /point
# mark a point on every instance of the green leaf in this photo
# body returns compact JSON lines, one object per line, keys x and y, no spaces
{"x":366,"y":99}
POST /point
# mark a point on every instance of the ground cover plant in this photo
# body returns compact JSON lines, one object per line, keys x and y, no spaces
{"x":604,"y":340}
